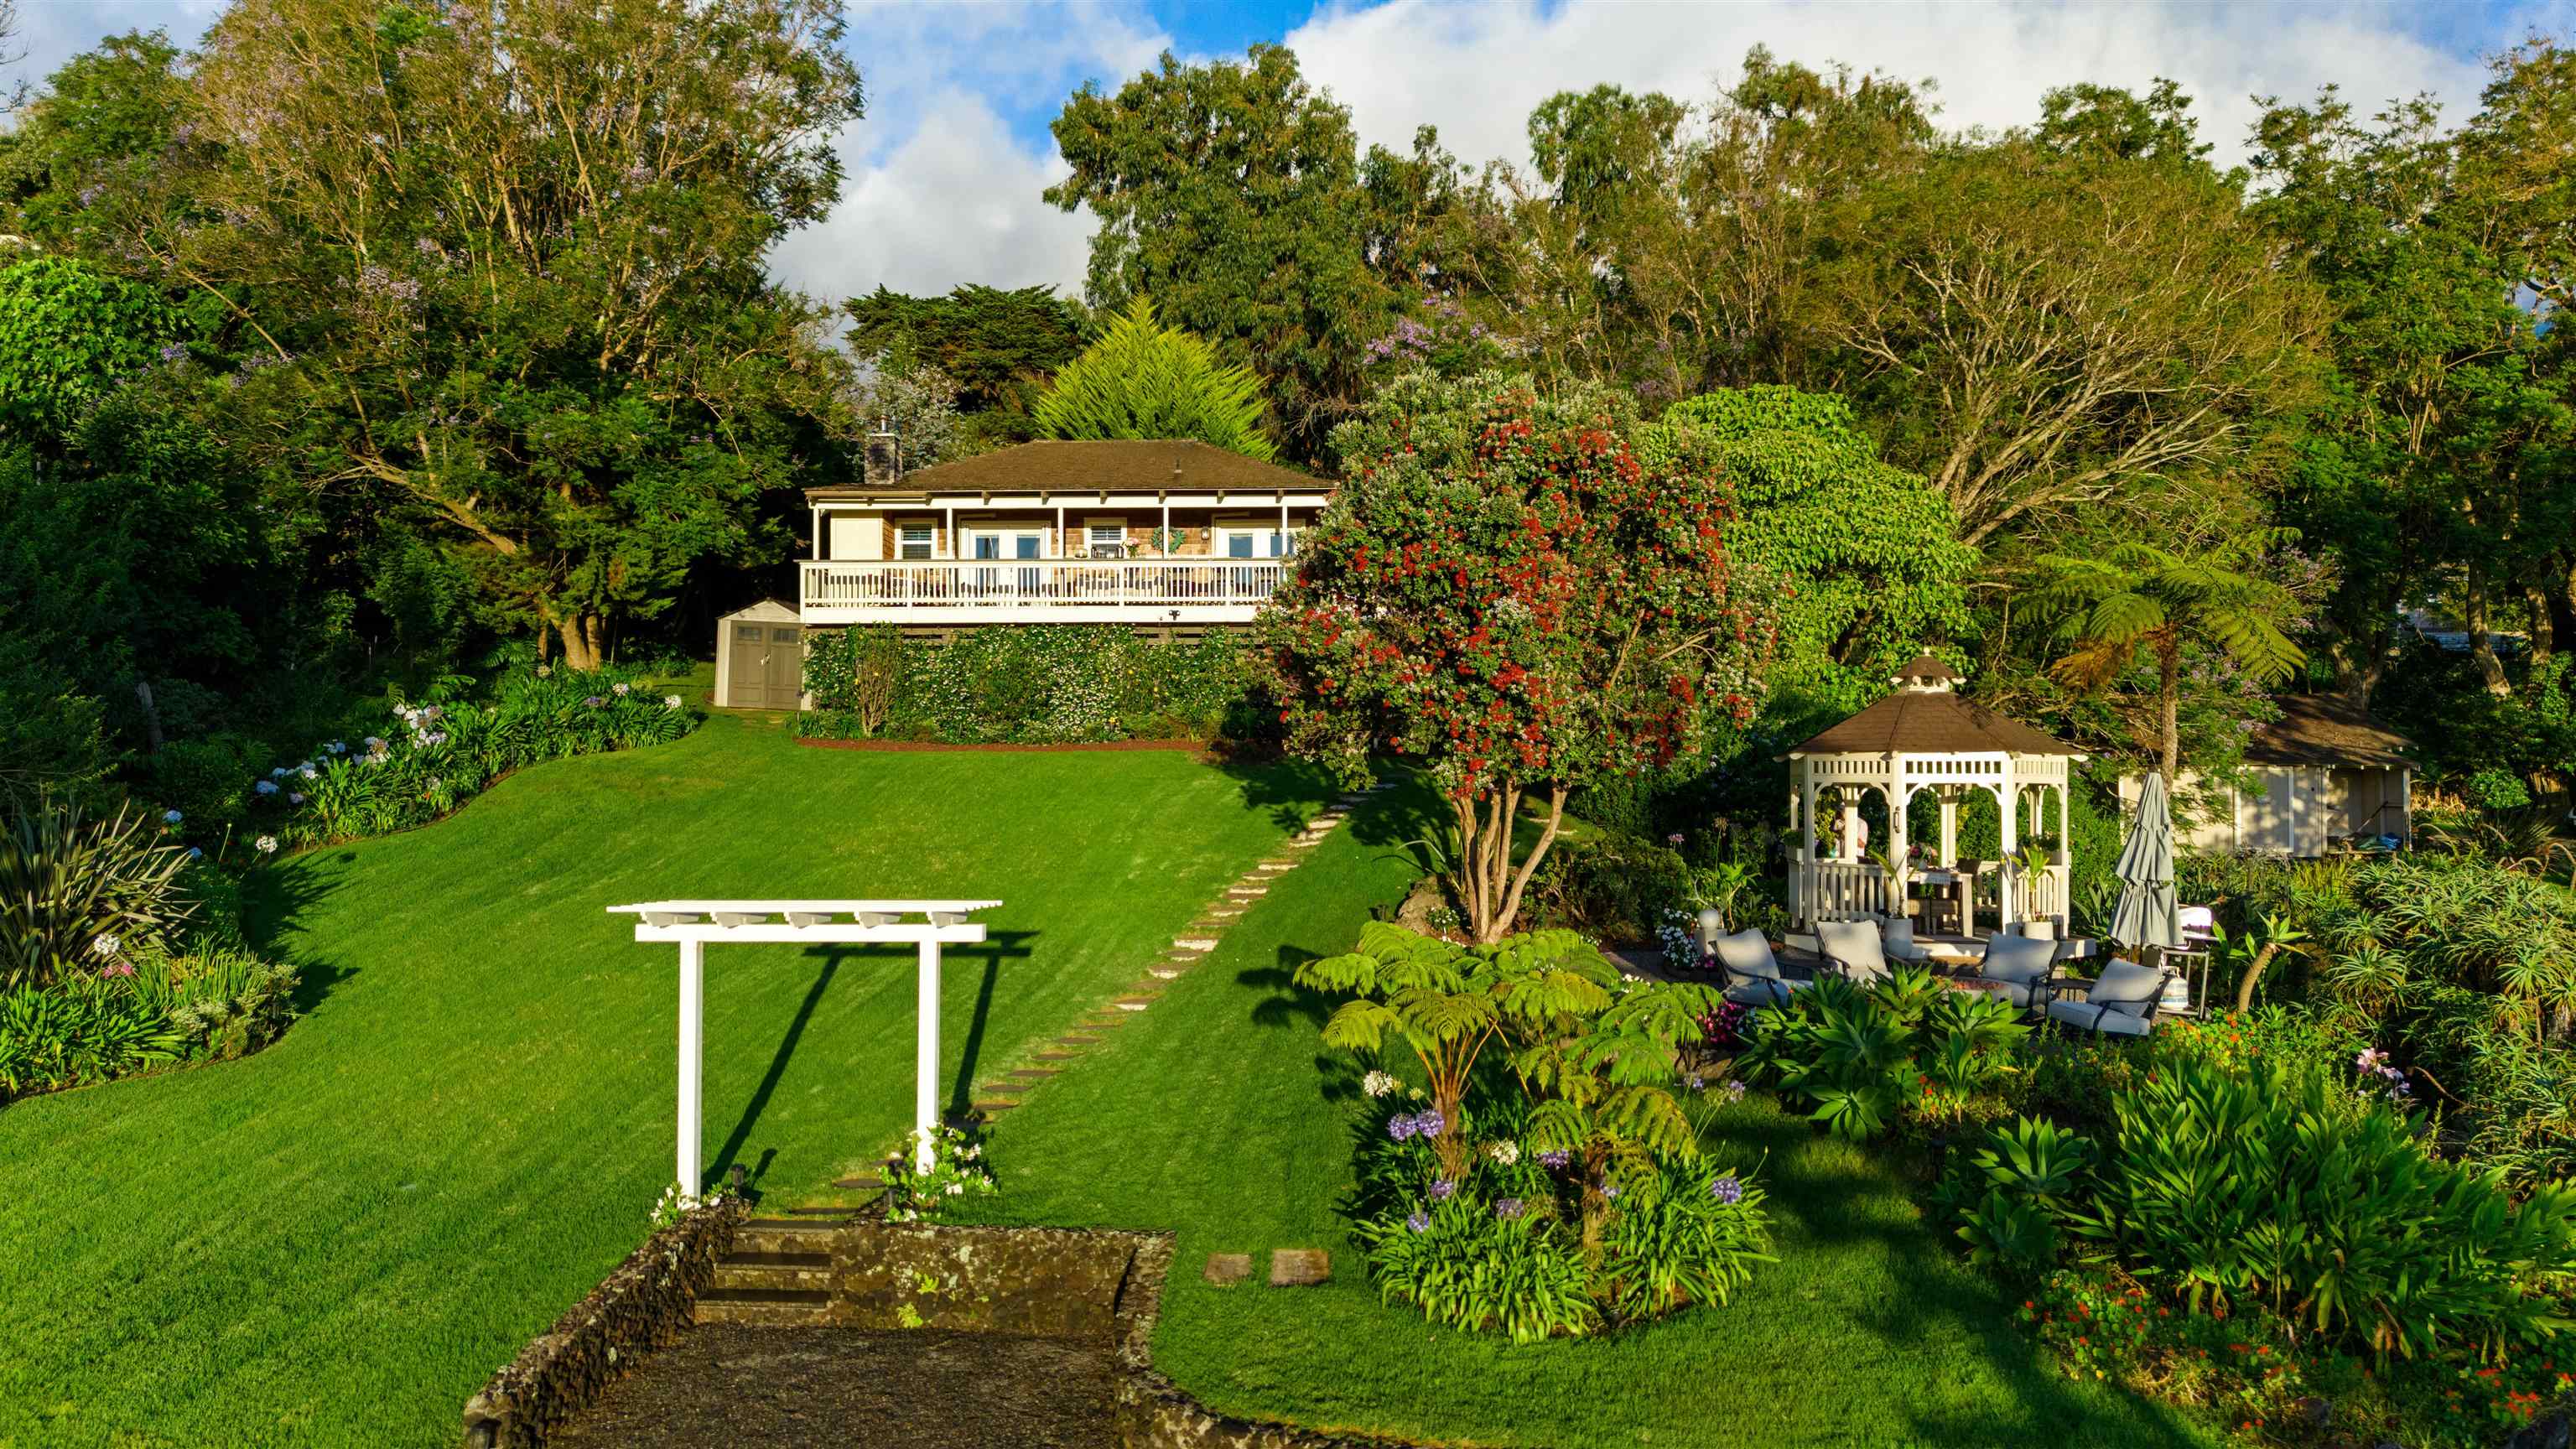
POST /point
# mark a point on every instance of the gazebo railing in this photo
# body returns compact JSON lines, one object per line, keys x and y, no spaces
{"x":1835,"y":889}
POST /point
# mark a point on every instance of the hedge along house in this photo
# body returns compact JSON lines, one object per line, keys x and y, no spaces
{"x":2331,"y":778}
{"x":1157,"y":534}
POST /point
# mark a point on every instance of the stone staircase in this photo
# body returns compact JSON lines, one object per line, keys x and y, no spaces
{"x":779,"y":1271}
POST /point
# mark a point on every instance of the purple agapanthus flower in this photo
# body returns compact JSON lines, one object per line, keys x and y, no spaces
{"x":1555,"y":1159}
{"x":1400,"y":1127}
{"x":1507,"y":1208}
{"x":1429,"y":1122}
{"x":1419,"y":1222}
{"x":1441,"y":1189}
{"x":1727,"y":1190}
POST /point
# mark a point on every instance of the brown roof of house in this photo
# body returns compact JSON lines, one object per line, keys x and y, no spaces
{"x":2327,"y":729}
{"x":1122,"y":464}
{"x":1927,"y":722}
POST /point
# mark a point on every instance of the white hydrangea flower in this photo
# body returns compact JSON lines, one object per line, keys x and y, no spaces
{"x":1506,"y":1152}
{"x":267,"y":845}
{"x":1377,"y":1084}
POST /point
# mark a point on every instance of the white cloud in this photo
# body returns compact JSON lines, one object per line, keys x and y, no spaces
{"x":957,"y":201}
{"x":1476,"y":71}
{"x":942,"y":190}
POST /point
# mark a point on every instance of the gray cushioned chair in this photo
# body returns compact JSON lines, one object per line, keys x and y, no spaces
{"x":2025,"y":965}
{"x":1751,"y":972}
{"x":1852,"y":948}
{"x":2121,"y":1003}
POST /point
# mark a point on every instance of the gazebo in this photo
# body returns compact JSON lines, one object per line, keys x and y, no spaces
{"x":1922,"y":737}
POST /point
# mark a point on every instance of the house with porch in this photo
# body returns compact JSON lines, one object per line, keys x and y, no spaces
{"x":1171,"y":536}
{"x":1157,"y":534}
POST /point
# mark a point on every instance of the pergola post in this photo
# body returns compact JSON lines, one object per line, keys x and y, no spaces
{"x":925,"y":1086}
{"x":693,"y":957}
{"x":691,"y":924}
{"x":1949,"y":827}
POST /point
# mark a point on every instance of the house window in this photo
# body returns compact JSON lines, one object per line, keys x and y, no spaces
{"x":1244,"y":540}
{"x":914,"y":540}
{"x":1107,"y":537}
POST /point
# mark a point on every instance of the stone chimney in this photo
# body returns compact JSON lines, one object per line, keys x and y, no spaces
{"x":881,"y":465}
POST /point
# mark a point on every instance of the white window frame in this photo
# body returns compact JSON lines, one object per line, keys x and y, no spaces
{"x":905,"y":541}
{"x":1094,"y":528}
{"x":1265,"y":533}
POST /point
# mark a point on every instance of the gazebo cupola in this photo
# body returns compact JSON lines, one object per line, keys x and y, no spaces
{"x":1923,"y":736}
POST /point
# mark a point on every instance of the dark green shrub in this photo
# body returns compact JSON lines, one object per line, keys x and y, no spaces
{"x":857,"y":677}
{"x":2289,"y":1190}
{"x":1614,"y":888}
{"x":139,"y":1009}
{"x":1052,"y":684}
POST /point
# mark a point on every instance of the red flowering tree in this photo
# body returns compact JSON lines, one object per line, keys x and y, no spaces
{"x":1507,"y":596}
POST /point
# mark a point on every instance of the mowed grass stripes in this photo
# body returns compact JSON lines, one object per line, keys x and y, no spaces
{"x":336,"y":1241}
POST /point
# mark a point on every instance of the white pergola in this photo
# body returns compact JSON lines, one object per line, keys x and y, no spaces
{"x":694,"y":925}
{"x":1921,"y":737}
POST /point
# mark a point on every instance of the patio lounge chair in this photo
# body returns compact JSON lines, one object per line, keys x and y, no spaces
{"x":1750,"y":973}
{"x":2026,"y":965}
{"x":2122,"y":1002}
{"x":1852,"y":948}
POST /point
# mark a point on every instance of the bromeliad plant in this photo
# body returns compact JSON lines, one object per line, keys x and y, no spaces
{"x":1866,"y":1056}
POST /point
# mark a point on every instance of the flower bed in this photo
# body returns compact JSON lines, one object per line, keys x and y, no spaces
{"x":438,"y":753}
{"x":1557,"y":1186}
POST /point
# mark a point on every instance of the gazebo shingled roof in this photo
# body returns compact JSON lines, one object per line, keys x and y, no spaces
{"x":1924,"y":719}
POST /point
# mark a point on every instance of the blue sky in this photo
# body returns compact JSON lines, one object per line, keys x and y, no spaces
{"x":944,"y":173}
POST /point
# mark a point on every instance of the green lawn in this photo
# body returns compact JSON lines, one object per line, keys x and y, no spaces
{"x":336,"y":1241}
{"x":1217,"y":1115}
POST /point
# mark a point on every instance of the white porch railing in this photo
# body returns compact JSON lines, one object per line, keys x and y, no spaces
{"x":1040,"y":585}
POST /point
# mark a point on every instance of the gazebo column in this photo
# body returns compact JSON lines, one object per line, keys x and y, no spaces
{"x":1847,"y":824}
{"x":1896,"y":833}
{"x":1949,"y":826}
{"x":2008,"y":811}
{"x":693,"y":956}
{"x":1805,"y":861}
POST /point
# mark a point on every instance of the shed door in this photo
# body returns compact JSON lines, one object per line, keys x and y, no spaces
{"x":750,"y":667}
{"x":786,"y":661}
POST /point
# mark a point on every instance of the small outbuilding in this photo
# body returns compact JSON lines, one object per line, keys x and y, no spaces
{"x":760,"y":658}
{"x":2331,"y":778}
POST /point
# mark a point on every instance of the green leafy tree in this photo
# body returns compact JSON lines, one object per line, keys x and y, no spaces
{"x":999,"y":345}
{"x":505,"y":265}
{"x":85,"y":151}
{"x":1145,"y":380}
{"x":69,"y":335}
{"x":1236,"y":197}
{"x":2137,"y":601}
{"x":1868,"y":553}
{"x":1509,"y":595}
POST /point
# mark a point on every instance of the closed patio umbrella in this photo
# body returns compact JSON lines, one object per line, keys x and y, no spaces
{"x":2148,"y":914}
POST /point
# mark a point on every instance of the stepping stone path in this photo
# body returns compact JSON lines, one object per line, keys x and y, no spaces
{"x":1299,"y":1267}
{"x":744,"y":1292}
{"x":1227,"y":1267}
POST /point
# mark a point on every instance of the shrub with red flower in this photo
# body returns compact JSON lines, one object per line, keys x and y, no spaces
{"x":1505,"y":595}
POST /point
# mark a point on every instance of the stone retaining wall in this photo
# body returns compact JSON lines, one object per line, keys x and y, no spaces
{"x":641,"y":1306}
